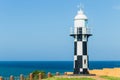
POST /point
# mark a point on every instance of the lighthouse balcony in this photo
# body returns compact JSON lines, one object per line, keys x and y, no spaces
{"x":80,"y":31}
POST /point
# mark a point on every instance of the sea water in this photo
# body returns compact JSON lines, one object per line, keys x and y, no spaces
{"x":16,"y":68}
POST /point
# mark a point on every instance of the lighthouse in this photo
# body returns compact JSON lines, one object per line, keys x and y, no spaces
{"x":80,"y":33}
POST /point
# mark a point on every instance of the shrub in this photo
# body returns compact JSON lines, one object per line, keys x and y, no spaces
{"x":36,"y":74}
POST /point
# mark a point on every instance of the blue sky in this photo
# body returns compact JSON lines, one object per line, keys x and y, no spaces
{"x":38,"y":30}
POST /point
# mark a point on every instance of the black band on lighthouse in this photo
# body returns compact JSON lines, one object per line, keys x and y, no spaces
{"x":84,"y":48}
{"x":75,"y":48}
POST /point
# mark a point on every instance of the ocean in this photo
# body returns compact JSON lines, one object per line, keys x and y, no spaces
{"x":16,"y":68}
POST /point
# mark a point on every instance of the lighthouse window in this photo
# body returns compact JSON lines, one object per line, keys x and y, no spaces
{"x":86,"y":22}
{"x":79,"y":30}
{"x":84,"y":61}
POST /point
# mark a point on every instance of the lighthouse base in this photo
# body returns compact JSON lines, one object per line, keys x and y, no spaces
{"x":81,"y":71}
{"x":81,"y":74}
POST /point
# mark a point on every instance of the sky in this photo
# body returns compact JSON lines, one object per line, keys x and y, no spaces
{"x":38,"y":30}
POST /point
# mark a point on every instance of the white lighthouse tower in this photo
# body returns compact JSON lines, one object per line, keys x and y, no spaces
{"x":80,"y":32}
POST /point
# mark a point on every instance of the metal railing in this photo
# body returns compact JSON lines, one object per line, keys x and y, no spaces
{"x":80,"y":30}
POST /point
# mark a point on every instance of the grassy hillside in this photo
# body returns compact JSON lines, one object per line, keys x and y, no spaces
{"x":110,"y":78}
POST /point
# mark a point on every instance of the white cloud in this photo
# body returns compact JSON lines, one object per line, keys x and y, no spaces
{"x":117,"y":7}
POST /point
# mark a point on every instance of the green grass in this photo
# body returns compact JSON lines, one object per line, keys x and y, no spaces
{"x":110,"y":78}
{"x":70,"y":79}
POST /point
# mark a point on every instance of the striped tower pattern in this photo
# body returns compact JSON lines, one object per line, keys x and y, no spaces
{"x":80,"y":33}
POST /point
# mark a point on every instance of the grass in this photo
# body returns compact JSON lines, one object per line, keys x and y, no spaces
{"x":69,"y":78}
{"x":110,"y":78}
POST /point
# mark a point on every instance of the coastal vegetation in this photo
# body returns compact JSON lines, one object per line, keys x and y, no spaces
{"x":44,"y":76}
{"x":110,"y":78}
{"x":36,"y":74}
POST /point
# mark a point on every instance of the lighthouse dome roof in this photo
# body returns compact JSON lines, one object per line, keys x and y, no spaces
{"x":80,"y":15}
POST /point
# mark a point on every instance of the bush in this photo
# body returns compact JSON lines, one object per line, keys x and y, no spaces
{"x":36,"y":74}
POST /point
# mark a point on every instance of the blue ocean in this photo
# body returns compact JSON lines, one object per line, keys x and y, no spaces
{"x":16,"y":68}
